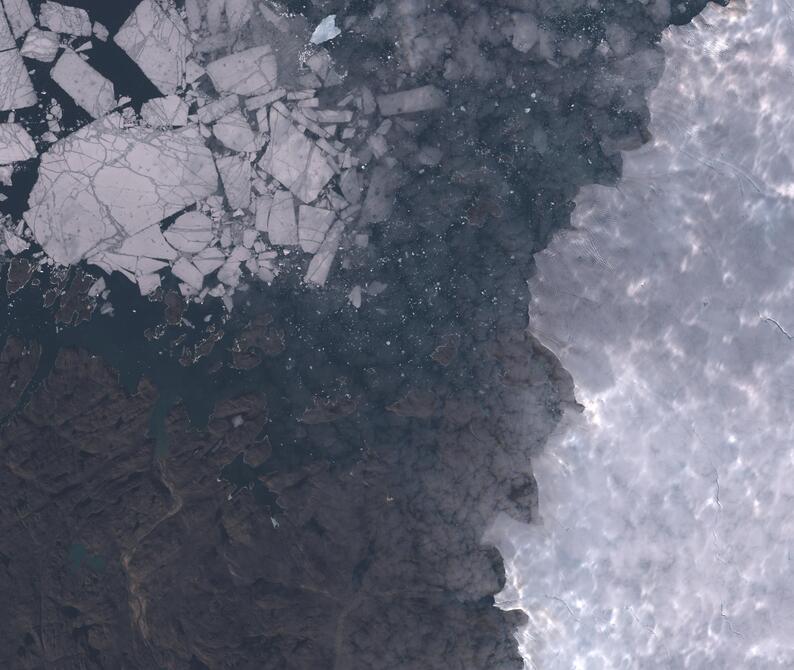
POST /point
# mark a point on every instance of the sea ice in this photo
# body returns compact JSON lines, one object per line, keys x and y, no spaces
{"x":185,"y":270}
{"x":19,"y":16}
{"x":190,"y":233}
{"x":62,"y":19}
{"x":313,"y":224}
{"x":156,"y":38}
{"x":320,"y":265}
{"x":249,"y":72}
{"x":41,"y":45}
{"x":234,"y":132}
{"x":149,"y":243}
{"x":105,"y":183}
{"x":294,"y":160}
{"x":16,"y":89}
{"x":15,"y":144}
{"x":422,"y":99}
{"x":275,"y":215}
{"x":235,"y":174}
{"x":163,"y":112}
{"x":325,"y":30}
{"x":89,"y":89}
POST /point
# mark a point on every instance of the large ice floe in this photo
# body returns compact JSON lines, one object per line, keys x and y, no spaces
{"x":238,"y":171}
{"x":665,"y":538}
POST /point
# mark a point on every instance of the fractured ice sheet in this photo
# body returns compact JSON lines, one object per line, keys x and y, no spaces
{"x":235,"y":174}
{"x":313,"y":224}
{"x":41,"y":45}
{"x":320,"y":264}
{"x":19,"y":16}
{"x":234,"y":132}
{"x":89,"y":89}
{"x":666,"y":505}
{"x":190,"y":233}
{"x":105,"y":183}
{"x":16,"y":89}
{"x":16,"y":144}
{"x":170,"y":110}
{"x":294,"y":160}
{"x":248,"y":72}
{"x":156,"y":38}
{"x":275,"y":215}
{"x":62,"y":19}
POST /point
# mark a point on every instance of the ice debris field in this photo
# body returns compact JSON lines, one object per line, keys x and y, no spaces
{"x":233,"y":172}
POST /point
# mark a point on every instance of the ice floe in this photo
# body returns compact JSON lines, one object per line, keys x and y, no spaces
{"x":87,"y":87}
{"x":16,"y":144}
{"x":260,"y":174}
{"x":156,"y":38}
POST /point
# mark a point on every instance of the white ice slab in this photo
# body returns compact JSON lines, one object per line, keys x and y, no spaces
{"x":164,"y":112}
{"x":89,"y":89}
{"x":294,"y":160}
{"x":16,"y":89}
{"x":15,"y":144}
{"x":320,"y":265}
{"x":235,"y":174}
{"x":185,"y":270}
{"x":62,"y":19}
{"x":19,"y":16}
{"x":234,"y":132}
{"x":190,"y":233}
{"x":275,"y":215}
{"x":313,"y":224}
{"x":325,"y":30}
{"x":209,"y":260}
{"x":100,"y":31}
{"x":105,"y":183}
{"x":40,"y":45}
{"x":149,"y":243}
{"x":158,"y":41}
{"x":248,"y":72}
